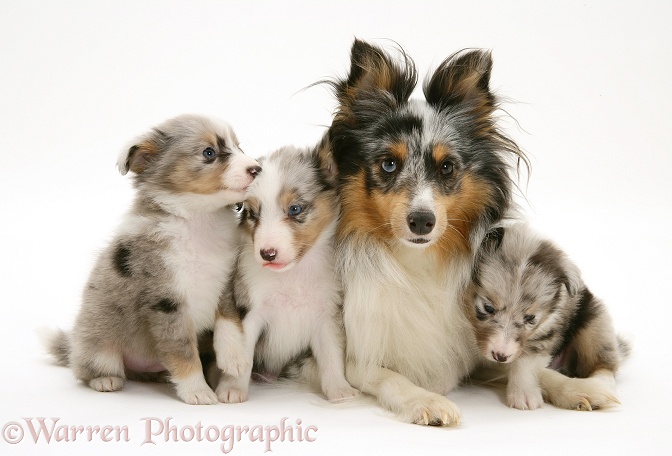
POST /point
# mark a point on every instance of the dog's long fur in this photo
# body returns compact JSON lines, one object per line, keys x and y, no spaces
{"x":530,"y":309}
{"x":421,"y":182}
{"x":157,"y":286}
{"x":285,"y":284}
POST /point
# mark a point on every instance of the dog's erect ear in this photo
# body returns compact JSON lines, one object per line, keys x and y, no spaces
{"x":463,"y":77}
{"x":141,"y":153}
{"x":373,"y":73}
{"x":493,"y":240}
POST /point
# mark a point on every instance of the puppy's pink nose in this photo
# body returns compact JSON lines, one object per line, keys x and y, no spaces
{"x":500,"y":357}
{"x":268,"y":254}
{"x":254,"y":170}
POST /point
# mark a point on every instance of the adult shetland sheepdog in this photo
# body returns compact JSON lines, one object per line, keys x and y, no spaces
{"x":421,"y":182}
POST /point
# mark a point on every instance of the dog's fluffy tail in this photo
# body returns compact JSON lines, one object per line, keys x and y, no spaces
{"x":57,"y":343}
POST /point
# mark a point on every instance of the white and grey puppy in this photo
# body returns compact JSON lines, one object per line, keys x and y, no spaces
{"x":531,"y":310}
{"x":285,"y":285}
{"x":157,"y":286}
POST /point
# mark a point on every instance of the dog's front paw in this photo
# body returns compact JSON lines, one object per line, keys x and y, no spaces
{"x":342,"y":393}
{"x":525,"y":399}
{"x":432,"y":410}
{"x":107,"y":383}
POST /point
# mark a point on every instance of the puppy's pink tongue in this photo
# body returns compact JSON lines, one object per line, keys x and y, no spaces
{"x":275,"y":266}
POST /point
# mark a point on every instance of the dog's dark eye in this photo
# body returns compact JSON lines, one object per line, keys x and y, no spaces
{"x":209,"y":153}
{"x":389,"y":165}
{"x":488,"y":308}
{"x":529,"y":319}
{"x":446,"y":168}
{"x":294,"y":210}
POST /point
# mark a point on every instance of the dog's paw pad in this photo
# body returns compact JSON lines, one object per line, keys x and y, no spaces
{"x":107,"y":383}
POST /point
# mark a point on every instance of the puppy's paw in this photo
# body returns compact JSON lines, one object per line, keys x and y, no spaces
{"x":525,"y":399}
{"x":195,"y":391}
{"x":341,"y":393}
{"x":202,"y":397}
{"x":432,"y":410}
{"x":231,"y":395}
{"x":584,"y":394}
{"x":107,"y":383}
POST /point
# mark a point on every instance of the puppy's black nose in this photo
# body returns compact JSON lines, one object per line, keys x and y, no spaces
{"x":421,"y":222}
{"x":268,"y":254}
{"x":499,"y":357}
{"x":254,"y":170}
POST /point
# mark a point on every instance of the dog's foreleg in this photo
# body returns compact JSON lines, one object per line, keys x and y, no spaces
{"x":398,"y":394}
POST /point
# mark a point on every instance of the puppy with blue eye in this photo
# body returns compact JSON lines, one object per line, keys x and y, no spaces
{"x":285,"y":285}
{"x":156,"y":289}
{"x":533,"y":316}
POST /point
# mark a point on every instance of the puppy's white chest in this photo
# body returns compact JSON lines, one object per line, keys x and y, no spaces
{"x":201,"y":257}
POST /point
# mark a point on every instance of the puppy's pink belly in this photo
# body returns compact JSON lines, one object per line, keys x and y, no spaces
{"x":139,"y":364}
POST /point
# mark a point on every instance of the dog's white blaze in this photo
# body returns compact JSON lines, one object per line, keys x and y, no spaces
{"x":273,"y":230}
{"x":423,"y":199}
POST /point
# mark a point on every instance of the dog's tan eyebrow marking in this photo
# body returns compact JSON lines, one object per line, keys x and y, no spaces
{"x":440,"y":152}
{"x":399,"y":150}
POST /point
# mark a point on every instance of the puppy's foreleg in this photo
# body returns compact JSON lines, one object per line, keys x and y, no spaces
{"x":398,"y":394}
{"x":327,"y":347}
{"x":235,"y":388}
{"x":523,"y":391}
{"x":229,"y":344}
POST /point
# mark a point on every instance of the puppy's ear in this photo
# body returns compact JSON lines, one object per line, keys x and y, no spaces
{"x":324,"y":161}
{"x":493,"y":240}
{"x":142,"y":152}
{"x":572,"y":277}
{"x":375,"y":77}
{"x":464,"y":77}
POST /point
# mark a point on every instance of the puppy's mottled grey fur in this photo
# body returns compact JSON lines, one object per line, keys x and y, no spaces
{"x":156,"y":288}
{"x":531,"y":310}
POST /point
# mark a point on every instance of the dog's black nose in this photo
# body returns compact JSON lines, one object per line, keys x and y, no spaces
{"x":500,"y":357}
{"x":268,"y":254}
{"x":254,"y":170}
{"x":421,"y":222}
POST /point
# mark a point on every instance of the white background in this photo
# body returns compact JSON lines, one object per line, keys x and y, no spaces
{"x":589,"y":88}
